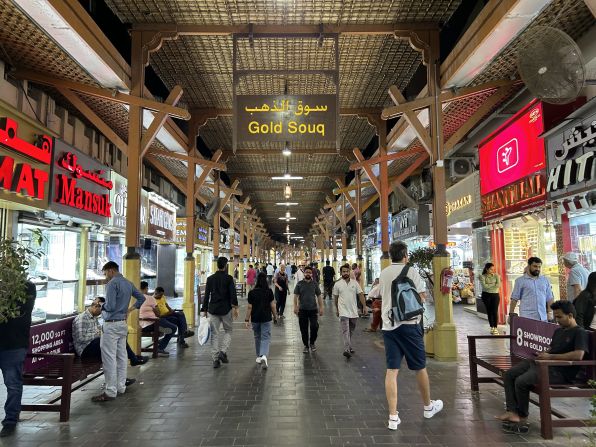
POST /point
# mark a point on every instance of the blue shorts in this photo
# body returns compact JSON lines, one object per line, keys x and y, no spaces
{"x":406,"y":340}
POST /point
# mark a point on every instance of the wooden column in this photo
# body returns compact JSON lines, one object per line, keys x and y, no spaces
{"x":344,"y":238}
{"x":384,"y":194}
{"x":242,"y":257}
{"x":216,"y":224}
{"x":232,"y":238}
{"x":358,"y":219}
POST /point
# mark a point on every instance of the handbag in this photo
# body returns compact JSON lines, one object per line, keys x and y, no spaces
{"x":204,"y":330}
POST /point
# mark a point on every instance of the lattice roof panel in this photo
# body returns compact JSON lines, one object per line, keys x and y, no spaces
{"x":209,"y":12}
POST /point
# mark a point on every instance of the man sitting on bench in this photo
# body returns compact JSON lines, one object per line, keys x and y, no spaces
{"x":86,"y":335}
{"x":176,"y":317}
{"x":569,"y":342}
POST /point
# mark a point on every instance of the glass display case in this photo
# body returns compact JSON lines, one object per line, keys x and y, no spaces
{"x":98,"y":256}
{"x":56,"y":272}
{"x":179,"y":278}
{"x":582,"y":229}
{"x":148,"y":253}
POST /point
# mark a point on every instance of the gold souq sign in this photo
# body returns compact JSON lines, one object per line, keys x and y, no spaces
{"x":286,"y":118}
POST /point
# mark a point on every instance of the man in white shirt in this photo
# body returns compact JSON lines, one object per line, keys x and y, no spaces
{"x":577,"y":280}
{"x":345,"y":293}
{"x":270,"y":272}
{"x":403,"y":338}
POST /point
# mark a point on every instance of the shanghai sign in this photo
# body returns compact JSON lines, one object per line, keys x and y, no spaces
{"x":286,"y":118}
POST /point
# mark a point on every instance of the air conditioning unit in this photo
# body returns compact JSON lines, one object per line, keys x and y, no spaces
{"x":461,"y":167}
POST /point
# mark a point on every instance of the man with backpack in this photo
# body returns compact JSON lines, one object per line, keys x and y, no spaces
{"x":403,"y":292}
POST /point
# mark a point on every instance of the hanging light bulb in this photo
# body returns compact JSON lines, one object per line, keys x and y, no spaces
{"x":287,"y":191}
{"x":286,"y":150}
{"x":288,"y":215}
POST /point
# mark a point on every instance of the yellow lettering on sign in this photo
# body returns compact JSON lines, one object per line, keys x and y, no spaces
{"x":460,"y":203}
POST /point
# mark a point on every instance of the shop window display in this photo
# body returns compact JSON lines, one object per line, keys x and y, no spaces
{"x":523,"y":240}
{"x":98,"y":256}
{"x":583,"y":239}
{"x":55,"y":273}
{"x":148,"y":253}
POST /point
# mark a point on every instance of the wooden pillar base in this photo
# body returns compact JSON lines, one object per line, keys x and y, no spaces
{"x":385,"y":261}
{"x":188,"y":306}
{"x":131,"y":269}
{"x":241,"y":263}
{"x":213,"y":266}
{"x":444,"y":332}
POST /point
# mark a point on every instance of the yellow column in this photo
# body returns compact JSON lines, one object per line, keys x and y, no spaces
{"x":132,"y":271}
{"x":188,"y":306}
{"x":83,"y":261}
{"x":445,"y":335}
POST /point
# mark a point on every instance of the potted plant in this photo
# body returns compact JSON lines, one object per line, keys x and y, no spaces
{"x":14,"y":263}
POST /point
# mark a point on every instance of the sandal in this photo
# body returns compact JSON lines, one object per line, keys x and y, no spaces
{"x":515,"y":428}
{"x":103,"y":397}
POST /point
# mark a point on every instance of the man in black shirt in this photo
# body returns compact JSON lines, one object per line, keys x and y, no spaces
{"x":569,"y":342}
{"x":306,"y":296}
{"x":14,"y":343}
{"x":222,"y":304}
{"x":328,"y":278}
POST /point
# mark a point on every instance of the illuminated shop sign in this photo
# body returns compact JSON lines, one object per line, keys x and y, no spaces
{"x":514,"y":151}
{"x":81,"y":186}
{"x":24,"y":167}
{"x":162,"y":218}
{"x":572,"y":151}
{"x":458,"y":204}
{"x":201,"y":231}
{"x":286,"y":118}
{"x":522,"y":195}
{"x":463,"y":200}
{"x":411,"y":222}
{"x":119,"y":197}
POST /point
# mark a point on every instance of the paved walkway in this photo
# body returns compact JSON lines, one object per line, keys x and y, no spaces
{"x":318,"y":399}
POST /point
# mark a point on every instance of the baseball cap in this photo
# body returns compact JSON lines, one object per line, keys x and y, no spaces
{"x":570,"y":256}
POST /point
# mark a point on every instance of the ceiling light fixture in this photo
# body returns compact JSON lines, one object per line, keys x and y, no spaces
{"x":286,"y":150}
{"x":287,"y":203}
{"x":288,"y":215}
{"x":287,"y":175}
{"x":287,"y":219}
{"x":287,"y":191}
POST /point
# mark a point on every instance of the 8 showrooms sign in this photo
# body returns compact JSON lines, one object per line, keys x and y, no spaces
{"x":81,"y":186}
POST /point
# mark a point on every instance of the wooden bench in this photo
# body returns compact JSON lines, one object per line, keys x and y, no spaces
{"x":530,"y":336}
{"x":51,"y":361}
{"x":154,"y":335}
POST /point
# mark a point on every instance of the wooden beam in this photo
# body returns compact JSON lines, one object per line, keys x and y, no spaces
{"x":295,"y":151}
{"x":159,"y":120}
{"x":101,"y":125}
{"x":228,"y":195}
{"x":385,"y":158}
{"x":198,"y":160}
{"x":412,"y":119}
{"x":487,"y":106}
{"x":346,"y":193}
{"x":368,"y":169}
{"x":176,"y":181}
{"x":240,"y":175}
{"x":103,"y":93}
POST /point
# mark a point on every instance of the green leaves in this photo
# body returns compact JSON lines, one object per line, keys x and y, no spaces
{"x":422,"y":259}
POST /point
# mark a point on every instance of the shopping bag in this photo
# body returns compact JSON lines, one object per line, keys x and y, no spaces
{"x":204,"y":330}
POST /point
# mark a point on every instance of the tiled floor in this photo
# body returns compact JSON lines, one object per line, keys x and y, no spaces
{"x":318,"y":399}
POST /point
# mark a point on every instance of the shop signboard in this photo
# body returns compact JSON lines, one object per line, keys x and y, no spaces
{"x":201,"y":234}
{"x":571,"y":158}
{"x":411,"y":223}
{"x":161,"y":219}
{"x":531,"y":336}
{"x":514,"y":151}
{"x":463,"y":200}
{"x":119,"y":197}
{"x":379,"y":229}
{"x":286,"y":118}
{"x":81,"y":186}
{"x":370,"y":236}
{"x":524,"y":194}
{"x":24,"y":166}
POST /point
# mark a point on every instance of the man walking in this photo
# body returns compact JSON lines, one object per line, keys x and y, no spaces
{"x":306,"y":295}
{"x":569,"y":342}
{"x":533,"y":292}
{"x":345,"y":293}
{"x":577,"y":280}
{"x":14,"y":343}
{"x":403,"y":338}
{"x":328,"y":279}
{"x":270,"y":271}
{"x":222,"y":304}
{"x":115,"y":329}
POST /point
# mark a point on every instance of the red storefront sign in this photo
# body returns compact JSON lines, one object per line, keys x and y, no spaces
{"x":68,"y":193}
{"x":18,"y":176}
{"x":521,"y":195}
{"x":514,"y":151}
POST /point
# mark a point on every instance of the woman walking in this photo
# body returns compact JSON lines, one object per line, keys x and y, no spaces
{"x":491,"y":283}
{"x":281,"y":291}
{"x":584,"y":304}
{"x":259,"y":312}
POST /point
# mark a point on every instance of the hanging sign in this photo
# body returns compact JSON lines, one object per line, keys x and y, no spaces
{"x":522,"y":195}
{"x":162,"y":218}
{"x":463,"y":200}
{"x":81,"y":186}
{"x":286,"y":118}
{"x":201,"y":234}
{"x":24,"y":167}
{"x":571,"y":159}
{"x":119,"y":198}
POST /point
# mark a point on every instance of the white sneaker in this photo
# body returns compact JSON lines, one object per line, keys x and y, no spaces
{"x":436,"y":406}
{"x":264,"y":363}
{"x":394,"y":421}
{"x":259,"y":359}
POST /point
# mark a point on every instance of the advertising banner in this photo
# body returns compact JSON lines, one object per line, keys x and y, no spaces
{"x":24,"y":165}
{"x":49,"y":338}
{"x":571,"y":158}
{"x":514,"y":151}
{"x":530,"y":336}
{"x":162,"y":220}
{"x":286,"y":118}
{"x":463,"y":200}
{"x":81,"y":186}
